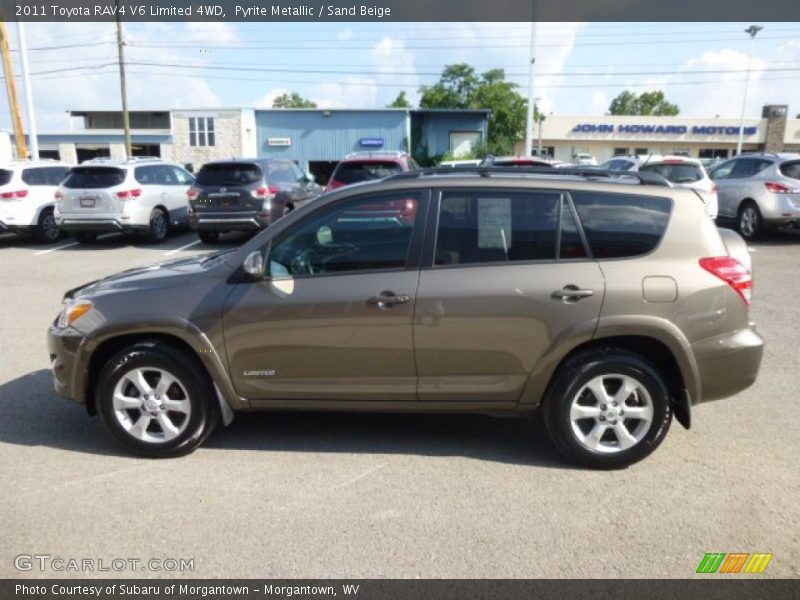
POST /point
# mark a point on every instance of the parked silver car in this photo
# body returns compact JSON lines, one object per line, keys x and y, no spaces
{"x":759,"y":191}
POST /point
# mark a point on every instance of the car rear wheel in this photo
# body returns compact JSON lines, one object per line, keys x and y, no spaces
{"x":47,"y":230}
{"x":159,"y":227}
{"x":209,"y":237}
{"x":156,"y":400}
{"x":607,"y":408}
{"x":85,"y":237}
{"x":750,"y":221}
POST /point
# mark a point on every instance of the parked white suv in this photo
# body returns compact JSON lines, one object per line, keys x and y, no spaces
{"x":26,"y":197}
{"x":137,"y":196}
{"x":683,"y":171}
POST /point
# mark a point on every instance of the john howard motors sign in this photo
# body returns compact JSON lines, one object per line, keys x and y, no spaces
{"x":661,"y":129}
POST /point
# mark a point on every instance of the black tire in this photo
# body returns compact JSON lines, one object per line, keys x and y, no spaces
{"x":85,"y":237}
{"x":159,"y":227}
{"x":749,"y":222}
{"x":47,"y":231}
{"x":573,"y":375}
{"x":209,"y":237}
{"x":188,"y":372}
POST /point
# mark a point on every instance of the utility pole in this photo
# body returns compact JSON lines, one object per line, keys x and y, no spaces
{"x":531,"y":101}
{"x":26,"y":82}
{"x":11,"y":89}
{"x":126,"y":123}
{"x":751,"y":31}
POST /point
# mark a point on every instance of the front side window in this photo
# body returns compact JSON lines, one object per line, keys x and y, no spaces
{"x":201,"y":131}
{"x":723,"y":171}
{"x":362,"y":235}
{"x":485,"y":227}
{"x":621,"y":225}
{"x":149,"y":175}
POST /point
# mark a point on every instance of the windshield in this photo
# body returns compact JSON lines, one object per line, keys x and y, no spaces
{"x":230,"y":174}
{"x":94,"y":177}
{"x":791,"y":169}
{"x":5,"y":176}
{"x":676,"y":173}
{"x":353,"y":172}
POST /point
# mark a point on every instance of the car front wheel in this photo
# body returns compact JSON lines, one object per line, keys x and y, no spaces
{"x":607,"y":408}
{"x":156,"y":400}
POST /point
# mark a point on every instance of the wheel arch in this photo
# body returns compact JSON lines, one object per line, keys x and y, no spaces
{"x":668,"y":352}
{"x":102,"y":350}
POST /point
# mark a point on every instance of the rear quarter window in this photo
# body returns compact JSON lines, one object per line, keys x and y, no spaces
{"x":791,"y":169}
{"x":5,"y":176}
{"x":94,"y":177}
{"x":622,"y":225}
{"x":229,"y":174}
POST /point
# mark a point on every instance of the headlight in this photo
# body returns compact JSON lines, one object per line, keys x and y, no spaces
{"x":73,"y":310}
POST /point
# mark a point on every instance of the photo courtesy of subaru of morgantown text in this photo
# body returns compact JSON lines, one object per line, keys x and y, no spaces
{"x":402,"y":300}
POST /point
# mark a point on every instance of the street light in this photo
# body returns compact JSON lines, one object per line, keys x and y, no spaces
{"x":751,"y":31}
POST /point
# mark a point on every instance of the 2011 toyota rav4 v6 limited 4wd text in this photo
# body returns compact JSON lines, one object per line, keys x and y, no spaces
{"x":609,"y":301}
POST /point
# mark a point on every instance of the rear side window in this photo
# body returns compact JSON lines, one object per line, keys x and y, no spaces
{"x":5,"y":176}
{"x":621,"y":225}
{"x":229,"y":174}
{"x":354,"y":172}
{"x":481,"y":227}
{"x":676,"y":172}
{"x":747,"y":167}
{"x":94,"y":177}
{"x":791,"y":169}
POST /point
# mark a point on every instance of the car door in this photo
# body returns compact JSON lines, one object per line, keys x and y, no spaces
{"x":176,"y":183}
{"x":333,"y":318}
{"x":728,"y":187}
{"x":154,"y":190}
{"x":504,"y":276}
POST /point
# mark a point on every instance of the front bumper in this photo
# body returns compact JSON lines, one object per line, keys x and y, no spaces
{"x":222,"y":221}
{"x":64,"y":347}
{"x":728,"y":363}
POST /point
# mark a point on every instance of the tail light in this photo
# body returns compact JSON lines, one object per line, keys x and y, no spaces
{"x":192,"y":193}
{"x":265,"y":192}
{"x":332,"y":185}
{"x":129,"y":194}
{"x":11,"y":195}
{"x":732,"y":272}
{"x":780,"y":188}
{"x":58,"y":196}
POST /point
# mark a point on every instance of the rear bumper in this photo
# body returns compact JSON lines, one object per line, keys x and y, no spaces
{"x":729,"y":363}
{"x":228,"y":221}
{"x":97,"y":225}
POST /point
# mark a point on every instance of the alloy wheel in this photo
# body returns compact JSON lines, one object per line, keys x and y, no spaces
{"x":611,"y":413}
{"x":49,"y":227}
{"x":748,"y":221}
{"x":151,"y":404}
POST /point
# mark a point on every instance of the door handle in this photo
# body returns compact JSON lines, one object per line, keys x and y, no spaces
{"x":571,"y":293}
{"x":388,"y":300}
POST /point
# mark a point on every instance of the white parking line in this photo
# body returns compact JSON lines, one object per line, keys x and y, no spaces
{"x":54,"y":249}
{"x":194,"y":243}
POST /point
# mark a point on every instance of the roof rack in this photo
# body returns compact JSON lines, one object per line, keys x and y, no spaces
{"x":644,"y":178}
{"x":376,"y":153}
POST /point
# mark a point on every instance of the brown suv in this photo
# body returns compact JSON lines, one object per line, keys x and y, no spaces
{"x":609,"y":301}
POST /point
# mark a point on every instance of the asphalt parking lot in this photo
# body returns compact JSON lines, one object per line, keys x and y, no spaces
{"x":341,"y":495}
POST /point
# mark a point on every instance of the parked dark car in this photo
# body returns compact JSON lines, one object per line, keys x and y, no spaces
{"x":368,"y":166}
{"x":515,"y":161}
{"x":246,"y":195}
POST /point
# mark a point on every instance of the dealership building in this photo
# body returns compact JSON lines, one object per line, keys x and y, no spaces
{"x":316,"y":139}
{"x":562,"y":137}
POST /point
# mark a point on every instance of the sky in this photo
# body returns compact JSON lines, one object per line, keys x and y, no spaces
{"x":580,"y":67}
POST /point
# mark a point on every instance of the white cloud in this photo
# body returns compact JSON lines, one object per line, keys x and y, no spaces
{"x":351,"y":92}
{"x":599,"y":103}
{"x":344,"y":35}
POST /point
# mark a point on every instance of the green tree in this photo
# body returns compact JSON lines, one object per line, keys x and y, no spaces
{"x":400,"y":102}
{"x":460,"y":87}
{"x":292,"y":100}
{"x":647,"y":103}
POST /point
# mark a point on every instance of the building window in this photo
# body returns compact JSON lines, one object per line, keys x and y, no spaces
{"x":640,"y":151}
{"x":201,"y":131}
{"x":621,"y":151}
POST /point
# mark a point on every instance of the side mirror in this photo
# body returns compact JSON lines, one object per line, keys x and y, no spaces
{"x":254,"y":265}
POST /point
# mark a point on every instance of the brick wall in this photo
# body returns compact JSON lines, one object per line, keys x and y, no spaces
{"x":228,"y":142}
